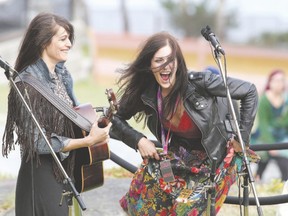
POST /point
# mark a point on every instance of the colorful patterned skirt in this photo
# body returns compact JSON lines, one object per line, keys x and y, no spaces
{"x":149,"y":194}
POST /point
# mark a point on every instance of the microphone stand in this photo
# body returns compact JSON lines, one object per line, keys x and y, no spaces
{"x":8,"y":72}
{"x":211,"y":211}
{"x":248,"y":175}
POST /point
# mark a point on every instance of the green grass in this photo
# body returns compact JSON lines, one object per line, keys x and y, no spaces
{"x":92,"y":90}
{"x":117,"y":173}
{"x":3,"y":98}
{"x":273,"y":188}
{"x":8,"y":203}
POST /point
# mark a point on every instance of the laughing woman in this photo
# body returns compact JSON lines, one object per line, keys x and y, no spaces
{"x":43,"y":52}
{"x":181,"y":110}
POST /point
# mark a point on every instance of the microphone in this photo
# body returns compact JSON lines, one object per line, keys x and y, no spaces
{"x":4,"y":64}
{"x":210,"y":36}
{"x":8,"y":69}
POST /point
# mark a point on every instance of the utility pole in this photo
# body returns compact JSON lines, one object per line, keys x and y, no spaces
{"x":220,"y":29}
{"x":71,"y":5}
{"x":124,"y":14}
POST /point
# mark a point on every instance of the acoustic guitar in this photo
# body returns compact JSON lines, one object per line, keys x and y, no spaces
{"x":88,"y":170}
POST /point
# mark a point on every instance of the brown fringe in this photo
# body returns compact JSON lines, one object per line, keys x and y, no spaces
{"x":20,"y":122}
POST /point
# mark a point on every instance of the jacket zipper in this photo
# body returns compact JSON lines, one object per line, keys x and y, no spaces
{"x":189,"y":113}
{"x":148,"y":104}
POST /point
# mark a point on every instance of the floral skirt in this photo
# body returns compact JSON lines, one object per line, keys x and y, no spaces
{"x":149,"y":194}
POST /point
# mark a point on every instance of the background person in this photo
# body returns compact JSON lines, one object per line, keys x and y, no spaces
{"x":272,"y":123}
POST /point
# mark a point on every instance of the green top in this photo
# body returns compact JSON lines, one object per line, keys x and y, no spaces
{"x":272,"y":124}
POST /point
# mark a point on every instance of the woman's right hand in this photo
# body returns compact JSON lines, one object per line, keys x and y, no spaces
{"x":147,"y":149}
{"x":98,"y":135}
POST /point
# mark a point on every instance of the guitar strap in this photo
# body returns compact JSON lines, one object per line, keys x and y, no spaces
{"x":63,"y":107}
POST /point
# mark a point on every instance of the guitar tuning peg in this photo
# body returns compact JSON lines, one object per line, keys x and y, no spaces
{"x":99,"y":109}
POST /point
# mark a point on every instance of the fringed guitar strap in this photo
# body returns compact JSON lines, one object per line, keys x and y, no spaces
{"x":64,"y":108}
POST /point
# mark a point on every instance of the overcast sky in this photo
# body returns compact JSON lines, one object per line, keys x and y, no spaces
{"x":252,"y":7}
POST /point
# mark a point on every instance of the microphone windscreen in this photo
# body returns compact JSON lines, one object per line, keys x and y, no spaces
{"x":203,"y":32}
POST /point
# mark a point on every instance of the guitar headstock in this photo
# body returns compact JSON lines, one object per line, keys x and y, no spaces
{"x":112,"y":109}
{"x":114,"y":106}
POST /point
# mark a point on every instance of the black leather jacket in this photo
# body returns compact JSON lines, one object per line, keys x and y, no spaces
{"x":204,"y":105}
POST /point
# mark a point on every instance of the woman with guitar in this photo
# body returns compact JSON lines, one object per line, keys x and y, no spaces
{"x":42,"y":55}
{"x":182,"y":112}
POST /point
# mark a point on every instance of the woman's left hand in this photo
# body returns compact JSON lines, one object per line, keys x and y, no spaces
{"x":147,"y":149}
{"x":236,"y":145}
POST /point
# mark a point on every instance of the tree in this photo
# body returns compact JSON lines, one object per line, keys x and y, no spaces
{"x":191,"y":17}
{"x":268,"y":39}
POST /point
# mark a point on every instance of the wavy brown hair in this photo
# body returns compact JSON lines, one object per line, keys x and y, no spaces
{"x":137,"y":77}
{"x":38,"y":36}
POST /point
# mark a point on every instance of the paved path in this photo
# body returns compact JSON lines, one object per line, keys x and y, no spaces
{"x":105,"y":200}
{"x":102,"y":201}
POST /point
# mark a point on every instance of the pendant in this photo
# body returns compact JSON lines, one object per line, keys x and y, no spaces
{"x":166,"y":171}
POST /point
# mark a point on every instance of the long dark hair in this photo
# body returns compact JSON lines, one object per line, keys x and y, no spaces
{"x":38,"y":36}
{"x":137,"y":77}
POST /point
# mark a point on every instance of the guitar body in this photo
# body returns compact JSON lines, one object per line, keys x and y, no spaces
{"x":88,"y":170}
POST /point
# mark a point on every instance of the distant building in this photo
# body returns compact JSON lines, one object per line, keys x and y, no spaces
{"x":13,"y":14}
{"x":16,"y":14}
